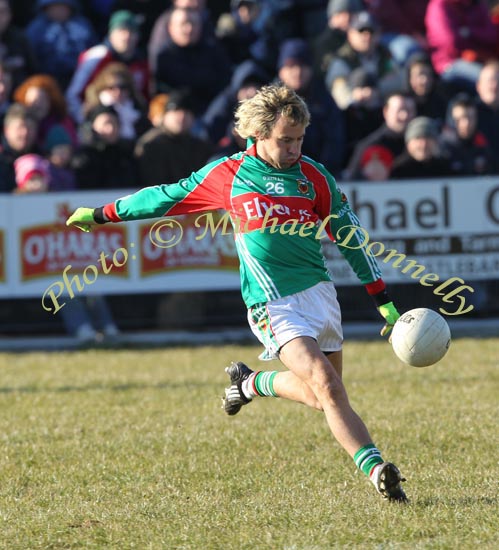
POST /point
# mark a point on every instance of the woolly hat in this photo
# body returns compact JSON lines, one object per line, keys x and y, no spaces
{"x":421,"y":126}
{"x":123,"y":19}
{"x":27,"y":166}
{"x":377,"y":153}
{"x":57,"y":135}
{"x":337,"y":6}
{"x":294,"y":49}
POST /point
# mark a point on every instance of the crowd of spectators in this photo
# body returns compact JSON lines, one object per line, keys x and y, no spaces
{"x":128,"y":93}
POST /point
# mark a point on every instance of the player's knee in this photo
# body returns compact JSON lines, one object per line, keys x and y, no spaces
{"x":327,"y":385}
{"x":311,"y":400}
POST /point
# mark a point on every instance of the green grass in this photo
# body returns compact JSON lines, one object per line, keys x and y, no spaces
{"x":130,"y":449}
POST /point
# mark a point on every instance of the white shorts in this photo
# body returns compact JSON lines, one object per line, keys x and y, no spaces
{"x":314,"y":312}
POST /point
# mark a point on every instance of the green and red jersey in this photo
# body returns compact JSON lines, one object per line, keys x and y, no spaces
{"x":276,"y":214}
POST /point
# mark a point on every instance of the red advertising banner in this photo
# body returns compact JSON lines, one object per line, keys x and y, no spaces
{"x":48,"y":249}
{"x":185,"y":243}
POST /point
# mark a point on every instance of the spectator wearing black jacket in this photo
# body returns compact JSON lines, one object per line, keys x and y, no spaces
{"x":190,"y":61}
{"x":424,"y":85}
{"x":373,"y":157}
{"x":171,"y":152}
{"x":104,"y":160}
{"x":422,"y":158}
{"x":466,"y":147}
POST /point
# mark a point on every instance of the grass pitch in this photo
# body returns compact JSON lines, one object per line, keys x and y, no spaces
{"x":130,"y":449}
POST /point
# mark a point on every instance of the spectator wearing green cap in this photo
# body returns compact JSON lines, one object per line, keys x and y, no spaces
{"x":120,"y":45}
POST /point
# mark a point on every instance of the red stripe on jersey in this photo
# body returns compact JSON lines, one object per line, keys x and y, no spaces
{"x":110,"y":212}
{"x":212,"y":193}
{"x":323,"y":198}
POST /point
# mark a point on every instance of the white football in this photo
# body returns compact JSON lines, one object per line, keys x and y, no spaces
{"x":420,"y":337}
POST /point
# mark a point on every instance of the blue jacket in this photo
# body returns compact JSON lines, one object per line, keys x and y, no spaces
{"x":56,"y":46}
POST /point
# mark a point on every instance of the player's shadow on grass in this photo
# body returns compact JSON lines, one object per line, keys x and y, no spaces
{"x":190,"y":384}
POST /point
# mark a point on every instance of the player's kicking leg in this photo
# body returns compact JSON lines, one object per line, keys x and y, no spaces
{"x":315,"y":380}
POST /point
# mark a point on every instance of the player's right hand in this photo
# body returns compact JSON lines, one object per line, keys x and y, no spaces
{"x":82,"y":218}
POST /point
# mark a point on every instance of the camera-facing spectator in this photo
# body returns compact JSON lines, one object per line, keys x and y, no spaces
{"x":361,"y":49}
{"x":58,"y":34}
{"x":465,"y":146}
{"x":19,"y":138}
{"x":423,"y":157}
{"x":120,"y":45}
{"x":160,"y":34}
{"x":147,"y":13}
{"x":425,"y":87}
{"x":43,"y":97}
{"x":488,"y":108}
{"x":104,"y":160}
{"x":373,"y":157}
{"x":191,"y":62}
{"x":32,"y":174}
{"x":115,"y":86}
{"x":330,"y":40}
{"x":171,"y":151}
{"x":15,"y":49}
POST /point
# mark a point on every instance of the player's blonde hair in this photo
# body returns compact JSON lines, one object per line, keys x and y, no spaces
{"x":259,"y":114}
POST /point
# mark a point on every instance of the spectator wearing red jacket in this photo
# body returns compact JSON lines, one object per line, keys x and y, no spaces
{"x":119,"y":46}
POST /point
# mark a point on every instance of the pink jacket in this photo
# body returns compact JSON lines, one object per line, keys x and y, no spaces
{"x":457,"y":26}
{"x":405,"y":17}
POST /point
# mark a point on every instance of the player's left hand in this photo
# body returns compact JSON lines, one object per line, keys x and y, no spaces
{"x":390,"y":315}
